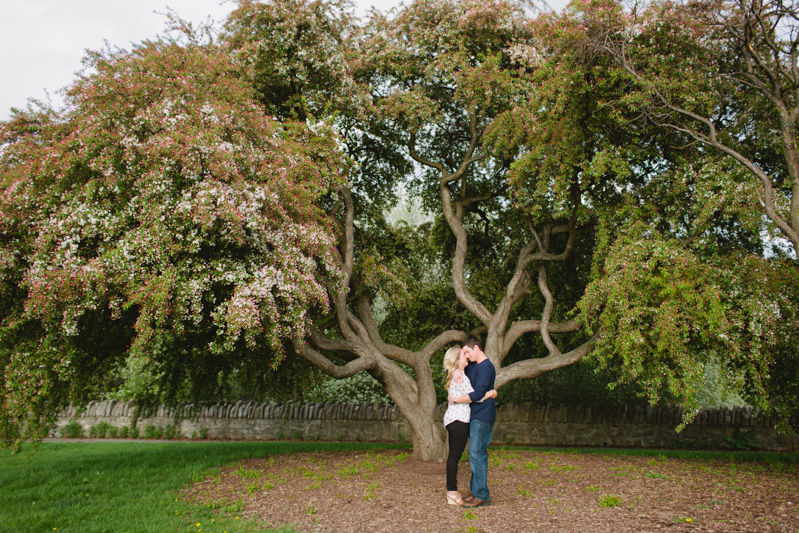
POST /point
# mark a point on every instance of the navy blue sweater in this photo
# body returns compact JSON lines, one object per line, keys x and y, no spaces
{"x":482,"y":376}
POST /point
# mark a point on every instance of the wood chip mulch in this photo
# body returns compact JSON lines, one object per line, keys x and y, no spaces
{"x":532,"y":491}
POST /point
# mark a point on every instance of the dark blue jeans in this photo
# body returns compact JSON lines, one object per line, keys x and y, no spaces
{"x":480,"y":435}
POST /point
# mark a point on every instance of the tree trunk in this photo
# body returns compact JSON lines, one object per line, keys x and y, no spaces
{"x":419,"y":408}
{"x":428,"y":437}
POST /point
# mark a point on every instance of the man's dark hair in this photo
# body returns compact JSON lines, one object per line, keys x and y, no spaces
{"x":471,"y":341}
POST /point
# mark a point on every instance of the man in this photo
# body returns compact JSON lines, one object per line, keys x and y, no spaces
{"x":481,"y":373}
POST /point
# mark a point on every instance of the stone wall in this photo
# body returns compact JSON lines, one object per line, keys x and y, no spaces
{"x":640,"y":427}
{"x":637,"y":427}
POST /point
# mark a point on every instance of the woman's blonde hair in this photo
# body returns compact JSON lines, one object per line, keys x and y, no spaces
{"x":451,"y":363}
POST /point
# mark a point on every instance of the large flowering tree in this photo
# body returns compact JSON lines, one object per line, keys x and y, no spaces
{"x":164,"y":215}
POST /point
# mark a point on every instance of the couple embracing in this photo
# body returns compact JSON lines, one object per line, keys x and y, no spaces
{"x":470,"y":415}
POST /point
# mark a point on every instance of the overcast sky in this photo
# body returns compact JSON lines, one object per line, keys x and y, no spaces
{"x":42,"y":42}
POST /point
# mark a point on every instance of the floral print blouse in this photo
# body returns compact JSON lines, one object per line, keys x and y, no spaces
{"x":459,"y":386}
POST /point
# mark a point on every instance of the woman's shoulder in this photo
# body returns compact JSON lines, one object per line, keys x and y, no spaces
{"x":459,"y":377}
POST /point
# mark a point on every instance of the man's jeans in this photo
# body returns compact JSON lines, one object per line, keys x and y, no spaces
{"x":480,"y":435}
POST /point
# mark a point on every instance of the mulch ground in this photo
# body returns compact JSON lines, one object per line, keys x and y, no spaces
{"x":532,"y":491}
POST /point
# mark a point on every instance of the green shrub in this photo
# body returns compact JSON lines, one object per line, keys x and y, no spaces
{"x":360,"y":388}
{"x":102,"y":429}
{"x":582,"y":383}
{"x":72,"y":430}
{"x":134,"y":432}
{"x":203,"y":433}
{"x":153,"y":432}
{"x":170,"y":432}
{"x":123,"y":432}
{"x":742,"y":441}
{"x":112,"y":431}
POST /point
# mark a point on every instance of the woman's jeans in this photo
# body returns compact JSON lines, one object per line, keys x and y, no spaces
{"x":458,"y":435}
{"x":480,"y":435}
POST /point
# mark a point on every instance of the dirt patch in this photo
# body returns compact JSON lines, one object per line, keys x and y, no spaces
{"x":389,"y":491}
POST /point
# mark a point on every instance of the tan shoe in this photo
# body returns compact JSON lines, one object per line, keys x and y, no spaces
{"x":454,"y":497}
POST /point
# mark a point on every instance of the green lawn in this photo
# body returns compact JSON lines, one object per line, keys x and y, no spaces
{"x":124,"y":486}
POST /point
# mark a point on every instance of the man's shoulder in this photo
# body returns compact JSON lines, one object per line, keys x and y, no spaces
{"x":483,"y":369}
{"x":485,"y":364}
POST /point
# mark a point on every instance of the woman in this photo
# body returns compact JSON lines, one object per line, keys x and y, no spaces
{"x":456,"y":419}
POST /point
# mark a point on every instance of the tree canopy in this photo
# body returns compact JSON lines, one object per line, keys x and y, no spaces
{"x":696,"y":104}
{"x":161,"y":214}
